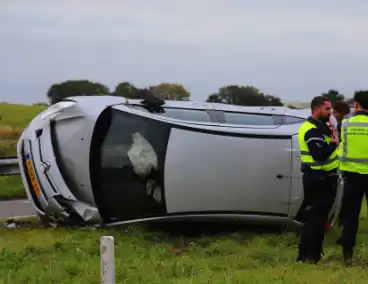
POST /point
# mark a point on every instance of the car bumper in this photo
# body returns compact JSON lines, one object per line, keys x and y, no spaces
{"x":52,"y":201}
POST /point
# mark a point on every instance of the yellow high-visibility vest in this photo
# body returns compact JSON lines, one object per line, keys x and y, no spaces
{"x":306,"y":158}
{"x":353,"y":149}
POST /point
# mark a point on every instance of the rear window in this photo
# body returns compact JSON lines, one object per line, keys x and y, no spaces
{"x":248,"y":119}
{"x":183,"y":114}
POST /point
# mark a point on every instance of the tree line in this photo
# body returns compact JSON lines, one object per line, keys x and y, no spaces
{"x":230,"y":94}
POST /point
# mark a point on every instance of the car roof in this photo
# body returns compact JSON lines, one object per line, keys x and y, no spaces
{"x":176,"y":104}
{"x":277,"y":110}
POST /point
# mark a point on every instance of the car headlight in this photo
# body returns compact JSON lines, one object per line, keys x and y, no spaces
{"x":53,"y":110}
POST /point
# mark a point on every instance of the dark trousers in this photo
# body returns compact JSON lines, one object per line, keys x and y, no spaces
{"x":356,"y":185}
{"x":319,"y":196}
{"x":342,"y":204}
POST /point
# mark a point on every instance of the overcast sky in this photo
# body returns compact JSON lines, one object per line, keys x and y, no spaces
{"x":289,"y":48}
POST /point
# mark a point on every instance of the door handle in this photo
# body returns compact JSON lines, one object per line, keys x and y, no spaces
{"x":280,"y":176}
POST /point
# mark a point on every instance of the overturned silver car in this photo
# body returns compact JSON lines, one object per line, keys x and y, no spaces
{"x":105,"y":159}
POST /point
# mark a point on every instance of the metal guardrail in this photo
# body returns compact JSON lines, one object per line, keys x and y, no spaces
{"x":9,"y":166}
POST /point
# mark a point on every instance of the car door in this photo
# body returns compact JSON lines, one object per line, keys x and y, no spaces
{"x":214,"y":171}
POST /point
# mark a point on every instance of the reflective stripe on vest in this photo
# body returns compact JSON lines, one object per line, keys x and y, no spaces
{"x":353,"y":152}
{"x":318,"y":163}
{"x":306,"y":158}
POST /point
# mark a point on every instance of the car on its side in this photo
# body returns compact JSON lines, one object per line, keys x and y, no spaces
{"x":107,"y":160}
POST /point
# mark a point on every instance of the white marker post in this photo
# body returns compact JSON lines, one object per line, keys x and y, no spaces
{"x":107,"y":260}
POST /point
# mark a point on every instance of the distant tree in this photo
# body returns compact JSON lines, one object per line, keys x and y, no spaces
{"x":334,"y":96}
{"x":215,"y":98}
{"x":292,"y":106}
{"x":127,"y":90}
{"x":170,"y":91}
{"x":41,"y":104}
{"x":273,"y":100}
{"x":60,"y":91}
{"x":243,"y":95}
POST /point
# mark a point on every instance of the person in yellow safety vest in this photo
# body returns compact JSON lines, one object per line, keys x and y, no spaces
{"x":319,"y":165}
{"x":353,"y":163}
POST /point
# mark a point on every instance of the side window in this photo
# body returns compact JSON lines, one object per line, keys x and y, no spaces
{"x":183,"y":114}
{"x":217,"y":116}
{"x":292,"y":120}
{"x":277,"y":119}
{"x":187,"y":114}
{"x":117,"y":143}
{"x":248,"y":118}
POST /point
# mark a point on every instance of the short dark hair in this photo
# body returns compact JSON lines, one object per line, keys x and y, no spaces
{"x":361,"y":97}
{"x":318,"y":101}
{"x":342,"y":107}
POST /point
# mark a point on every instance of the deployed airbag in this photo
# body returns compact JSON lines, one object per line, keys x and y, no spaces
{"x":142,"y":155}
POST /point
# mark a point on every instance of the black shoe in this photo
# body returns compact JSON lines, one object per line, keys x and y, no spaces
{"x":317,"y":256}
{"x":339,"y":241}
{"x":317,"y":259}
{"x":348,"y":256}
{"x":312,"y":259}
{"x":308,"y":261}
{"x":301,"y":257}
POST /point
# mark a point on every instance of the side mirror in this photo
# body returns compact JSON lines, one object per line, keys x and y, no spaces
{"x":151,"y":102}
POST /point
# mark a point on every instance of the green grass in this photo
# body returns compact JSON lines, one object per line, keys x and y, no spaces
{"x":11,"y":187}
{"x":17,"y":116}
{"x":36,"y":255}
{"x":14,"y":118}
{"x":8,"y":147}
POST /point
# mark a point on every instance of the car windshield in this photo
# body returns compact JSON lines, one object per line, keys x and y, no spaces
{"x":127,"y":160}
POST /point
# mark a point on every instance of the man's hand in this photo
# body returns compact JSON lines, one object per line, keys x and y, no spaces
{"x":335,"y":139}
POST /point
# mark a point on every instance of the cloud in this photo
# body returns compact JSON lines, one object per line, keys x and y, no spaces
{"x":282,"y":46}
{"x":199,"y":22}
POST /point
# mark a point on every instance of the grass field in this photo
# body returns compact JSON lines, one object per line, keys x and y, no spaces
{"x":146,"y":255}
{"x":11,"y":187}
{"x":14,"y":118}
